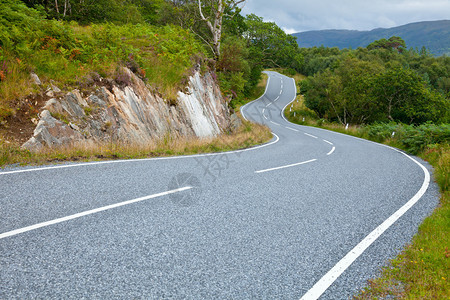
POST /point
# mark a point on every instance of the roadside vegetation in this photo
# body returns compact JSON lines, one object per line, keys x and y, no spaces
{"x":74,"y":56}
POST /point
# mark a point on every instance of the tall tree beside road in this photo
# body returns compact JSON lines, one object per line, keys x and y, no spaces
{"x":274,"y":47}
{"x":212,"y":13}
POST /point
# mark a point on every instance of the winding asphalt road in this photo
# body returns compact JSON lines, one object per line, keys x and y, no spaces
{"x":311,"y":214}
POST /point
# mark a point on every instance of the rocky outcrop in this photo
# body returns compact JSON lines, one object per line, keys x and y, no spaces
{"x":52,"y":132}
{"x":132,"y":114}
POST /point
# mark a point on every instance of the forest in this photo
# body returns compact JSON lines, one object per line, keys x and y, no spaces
{"x":384,"y":82}
{"x":381,"y":83}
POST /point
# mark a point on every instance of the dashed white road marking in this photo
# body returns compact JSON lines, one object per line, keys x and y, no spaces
{"x":89,"y":212}
{"x":265,"y":117}
{"x":269,"y":104}
{"x":284,"y":167}
{"x":274,"y":123}
{"x":264,"y":110}
{"x":292,"y":129}
{"x":328,"y":142}
{"x":332,"y":150}
{"x":276,"y":99}
{"x":310,"y":135}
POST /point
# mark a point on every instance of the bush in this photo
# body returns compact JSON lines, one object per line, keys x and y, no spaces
{"x":68,"y":53}
{"x":413,"y":139}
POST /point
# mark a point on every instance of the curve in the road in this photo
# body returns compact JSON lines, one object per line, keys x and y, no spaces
{"x":296,"y":217}
{"x":330,"y":277}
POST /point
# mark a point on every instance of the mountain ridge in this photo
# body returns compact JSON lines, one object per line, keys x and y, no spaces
{"x":433,"y":35}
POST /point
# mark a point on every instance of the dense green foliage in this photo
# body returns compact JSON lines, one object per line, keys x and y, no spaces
{"x":74,"y":56}
{"x":381,"y":83}
{"x":432,"y":35}
{"x":159,"y":40}
{"x":414,"y":139}
{"x":97,"y":11}
{"x":251,"y":45}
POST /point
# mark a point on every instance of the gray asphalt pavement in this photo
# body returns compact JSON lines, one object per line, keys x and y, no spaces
{"x":267,"y":223}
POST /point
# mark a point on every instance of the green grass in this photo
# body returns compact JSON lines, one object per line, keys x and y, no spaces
{"x":74,"y":56}
{"x":422,"y":270}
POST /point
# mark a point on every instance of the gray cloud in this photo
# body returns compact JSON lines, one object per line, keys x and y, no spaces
{"x":303,"y":15}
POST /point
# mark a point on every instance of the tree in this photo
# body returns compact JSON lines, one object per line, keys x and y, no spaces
{"x":406,"y":98}
{"x":393,"y":42}
{"x":272,"y":46}
{"x":214,"y":11}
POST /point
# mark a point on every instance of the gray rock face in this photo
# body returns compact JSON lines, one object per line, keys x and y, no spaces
{"x":51,"y":132}
{"x":132,"y":114}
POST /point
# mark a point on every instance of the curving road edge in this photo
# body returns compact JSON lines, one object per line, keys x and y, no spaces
{"x":327,"y":280}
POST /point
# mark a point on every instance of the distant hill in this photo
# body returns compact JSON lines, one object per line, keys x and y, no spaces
{"x":434,"y":35}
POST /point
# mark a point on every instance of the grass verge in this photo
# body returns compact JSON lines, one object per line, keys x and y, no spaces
{"x":421,"y":271}
{"x":248,"y":135}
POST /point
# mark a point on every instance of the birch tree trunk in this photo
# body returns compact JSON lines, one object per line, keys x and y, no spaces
{"x":215,"y":21}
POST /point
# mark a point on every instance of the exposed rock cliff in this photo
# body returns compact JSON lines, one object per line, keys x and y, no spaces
{"x":132,"y":114}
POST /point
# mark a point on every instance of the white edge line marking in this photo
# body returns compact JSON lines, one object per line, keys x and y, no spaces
{"x":313,"y":136}
{"x":292,"y":129}
{"x":277,"y":139}
{"x":265,"y":92}
{"x":326,"y":281}
{"x":284,"y":167}
{"x":332,"y":150}
{"x":328,"y":142}
{"x":295,"y":96}
{"x":88,"y":212}
{"x":267,"y":85}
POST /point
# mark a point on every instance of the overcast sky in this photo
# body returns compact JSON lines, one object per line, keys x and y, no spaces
{"x":303,"y":15}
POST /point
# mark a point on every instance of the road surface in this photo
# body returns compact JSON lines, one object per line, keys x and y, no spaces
{"x":311,"y":214}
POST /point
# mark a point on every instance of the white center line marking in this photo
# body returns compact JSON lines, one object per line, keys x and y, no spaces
{"x":311,"y":135}
{"x":292,"y":129}
{"x":332,"y":150}
{"x":274,"y":123}
{"x":88,"y":212}
{"x":326,"y":281}
{"x":288,"y":166}
{"x":328,"y":142}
